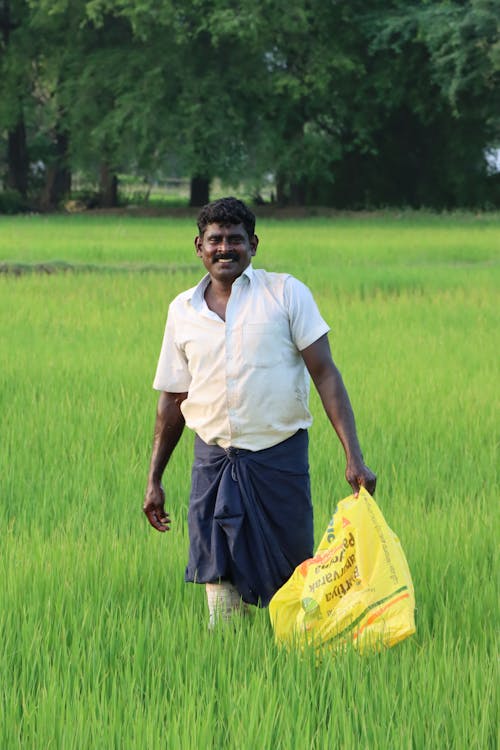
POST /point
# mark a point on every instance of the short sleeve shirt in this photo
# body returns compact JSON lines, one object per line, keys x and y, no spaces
{"x":246,"y":381}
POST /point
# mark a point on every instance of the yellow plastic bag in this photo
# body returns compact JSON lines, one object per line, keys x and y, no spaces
{"x":357,"y":588}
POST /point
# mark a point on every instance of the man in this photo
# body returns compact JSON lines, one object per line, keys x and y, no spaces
{"x":234,"y":367}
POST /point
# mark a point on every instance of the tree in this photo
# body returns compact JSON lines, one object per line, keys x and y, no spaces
{"x":356,"y":104}
{"x":210,"y":106}
{"x":393,"y":103}
{"x":81,"y":84}
{"x":455,"y":46}
{"x":18,"y":48}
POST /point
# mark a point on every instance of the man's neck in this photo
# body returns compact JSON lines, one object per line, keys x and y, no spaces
{"x":216,"y":296}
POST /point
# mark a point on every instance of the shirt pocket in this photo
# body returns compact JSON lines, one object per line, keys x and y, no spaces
{"x":263,"y":345}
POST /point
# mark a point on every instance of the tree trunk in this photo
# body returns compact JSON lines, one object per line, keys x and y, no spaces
{"x":298,"y":193}
{"x":58,"y":180}
{"x":290,"y":192}
{"x":17,"y":159}
{"x":281,"y":194}
{"x":200,"y":190}
{"x":108,"y":187}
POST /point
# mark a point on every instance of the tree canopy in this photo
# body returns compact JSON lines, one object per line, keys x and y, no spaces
{"x":353,"y":105}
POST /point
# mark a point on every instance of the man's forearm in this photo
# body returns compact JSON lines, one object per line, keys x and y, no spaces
{"x":333,"y":394}
{"x":338,"y":407}
{"x":168,"y":429}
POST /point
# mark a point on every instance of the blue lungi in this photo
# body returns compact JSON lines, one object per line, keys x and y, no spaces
{"x":250,"y":516}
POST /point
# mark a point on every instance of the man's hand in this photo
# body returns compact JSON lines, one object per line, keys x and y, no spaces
{"x":154,"y":508}
{"x":359,"y":475}
{"x":168,"y":429}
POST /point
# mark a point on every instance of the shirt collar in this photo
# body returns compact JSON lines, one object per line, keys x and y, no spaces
{"x":197,"y":296}
{"x":247,"y":273}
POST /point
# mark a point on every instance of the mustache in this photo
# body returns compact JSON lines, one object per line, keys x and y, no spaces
{"x":225,"y":256}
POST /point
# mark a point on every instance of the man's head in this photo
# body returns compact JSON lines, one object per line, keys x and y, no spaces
{"x":226,"y":211}
{"x":227,"y":241}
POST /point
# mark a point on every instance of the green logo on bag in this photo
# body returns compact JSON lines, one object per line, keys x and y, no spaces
{"x":311,"y":609}
{"x":331,"y":526}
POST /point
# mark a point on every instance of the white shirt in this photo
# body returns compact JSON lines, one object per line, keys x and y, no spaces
{"x":246,"y":381}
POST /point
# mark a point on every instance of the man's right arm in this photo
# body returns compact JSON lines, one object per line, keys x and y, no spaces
{"x":168,"y":429}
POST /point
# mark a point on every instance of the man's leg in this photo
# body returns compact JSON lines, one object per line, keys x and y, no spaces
{"x":223,"y":601}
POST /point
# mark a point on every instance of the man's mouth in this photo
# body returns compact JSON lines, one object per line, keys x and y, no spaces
{"x":225,"y":259}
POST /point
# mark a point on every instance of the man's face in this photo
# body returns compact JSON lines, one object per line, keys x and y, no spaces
{"x":226,"y":250}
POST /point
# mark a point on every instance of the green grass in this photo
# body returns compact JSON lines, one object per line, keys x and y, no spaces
{"x":402,"y":239}
{"x":103,"y":645}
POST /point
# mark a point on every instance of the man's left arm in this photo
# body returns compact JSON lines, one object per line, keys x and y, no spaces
{"x":330,"y":386}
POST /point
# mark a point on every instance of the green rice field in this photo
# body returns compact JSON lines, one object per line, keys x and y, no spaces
{"x":102,"y":644}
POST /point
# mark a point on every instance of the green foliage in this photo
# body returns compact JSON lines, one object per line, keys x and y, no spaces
{"x":386,"y":110}
{"x":347,"y":104}
{"x":464,"y":43}
{"x":12,"y":202}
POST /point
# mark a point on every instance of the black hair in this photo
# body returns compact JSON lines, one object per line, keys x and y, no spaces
{"x":226,"y":211}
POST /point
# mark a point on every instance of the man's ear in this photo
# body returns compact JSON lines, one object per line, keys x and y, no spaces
{"x":254,"y":241}
{"x":198,"y":241}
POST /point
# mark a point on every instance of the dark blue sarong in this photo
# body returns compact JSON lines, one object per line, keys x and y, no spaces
{"x":250,"y":516}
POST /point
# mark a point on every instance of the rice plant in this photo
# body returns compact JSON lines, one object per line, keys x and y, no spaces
{"x":102,"y":643}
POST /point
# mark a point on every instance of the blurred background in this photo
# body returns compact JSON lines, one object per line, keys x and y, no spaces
{"x":155,"y":103}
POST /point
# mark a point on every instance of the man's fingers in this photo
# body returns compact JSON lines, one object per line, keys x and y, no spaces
{"x":353,"y":480}
{"x":371,"y":484}
{"x":158,"y":519}
{"x":164,"y":519}
{"x":354,"y":487}
{"x":359,"y":475}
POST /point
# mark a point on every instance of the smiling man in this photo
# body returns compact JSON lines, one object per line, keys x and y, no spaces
{"x":234,"y":366}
